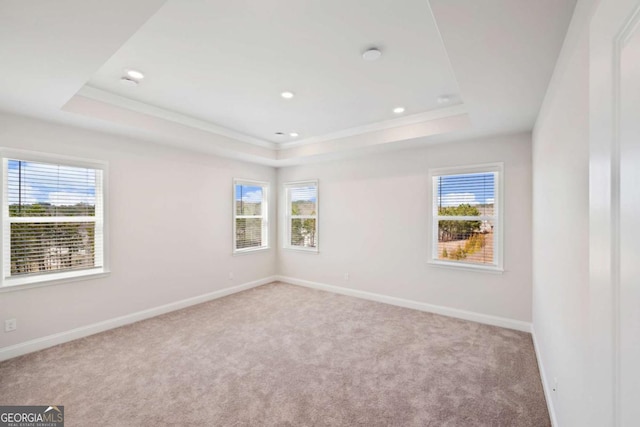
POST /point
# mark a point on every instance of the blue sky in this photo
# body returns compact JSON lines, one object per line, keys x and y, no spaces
{"x":66,"y":185}
{"x":47,"y":183}
{"x":253,"y":194}
{"x":249,"y":193}
{"x":473,"y":189}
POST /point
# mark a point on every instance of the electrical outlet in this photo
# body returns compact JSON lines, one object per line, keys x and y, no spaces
{"x":10,"y":325}
{"x":346,"y":276}
{"x":230,"y":275}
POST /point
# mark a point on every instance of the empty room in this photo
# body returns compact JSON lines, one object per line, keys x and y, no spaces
{"x":320,"y":213}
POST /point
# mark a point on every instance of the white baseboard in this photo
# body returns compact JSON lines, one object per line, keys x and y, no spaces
{"x":546,"y":386}
{"x":83,"y":331}
{"x":416,"y":305}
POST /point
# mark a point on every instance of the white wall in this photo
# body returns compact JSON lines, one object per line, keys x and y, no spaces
{"x":373,"y":225}
{"x":561,"y":227}
{"x":170,"y":229}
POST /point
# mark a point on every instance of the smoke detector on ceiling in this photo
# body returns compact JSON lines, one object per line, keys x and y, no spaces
{"x":128,"y":81}
{"x":371,"y":54}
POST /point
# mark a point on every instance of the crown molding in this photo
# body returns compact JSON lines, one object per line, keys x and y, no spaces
{"x":454,"y":110}
{"x":141,"y":107}
{"x":177,"y":129}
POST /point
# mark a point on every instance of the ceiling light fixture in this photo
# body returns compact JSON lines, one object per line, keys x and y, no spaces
{"x":287,"y":95}
{"x":128,"y":81}
{"x":398,"y":110}
{"x":371,"y":54}
{"x":444,"y":100}
{"x":293,"y":134}
{"x":135,"y":74}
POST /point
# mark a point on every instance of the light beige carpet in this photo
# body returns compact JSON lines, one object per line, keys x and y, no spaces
{"x":287,"y":356}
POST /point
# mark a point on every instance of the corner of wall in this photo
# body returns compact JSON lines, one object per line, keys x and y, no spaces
{"x":546,"y":385}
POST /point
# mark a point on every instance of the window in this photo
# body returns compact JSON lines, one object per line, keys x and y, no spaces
{"x":250,"y":214}
{"x":302,"y":215}
{"x":52,"y":218}
{"x":467,"y":217}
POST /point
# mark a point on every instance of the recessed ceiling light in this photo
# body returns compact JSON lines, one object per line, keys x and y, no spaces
{"x":371,"y":54}
{"x":135,"y":74}
{"x":128,"y":82}
{"x":287,"y":95}
{"x":444,"y":100}
{"x":293,"y":134}
{"x":398,"y":110}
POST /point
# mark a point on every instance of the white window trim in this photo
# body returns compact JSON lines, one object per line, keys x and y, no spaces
{"x":101,"y":221}
{"x":288,"y":217}
{"x":265,"y":216}
{"x":498,"y":243}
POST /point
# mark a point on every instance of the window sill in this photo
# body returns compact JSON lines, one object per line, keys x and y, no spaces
{"x":21,"y":283}
{"x":313,"y":251}
{"x":466,"y":267}
{"x":250,"y":251}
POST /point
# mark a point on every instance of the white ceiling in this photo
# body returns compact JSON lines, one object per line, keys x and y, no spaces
{"x":227,"y":63}
{"x":214,"y":70}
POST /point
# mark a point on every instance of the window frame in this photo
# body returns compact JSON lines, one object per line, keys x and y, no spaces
{"x":264,"y":216}
{"x":101,"y":221}
{"x":288,"y":216}
{"x":497,"y":217}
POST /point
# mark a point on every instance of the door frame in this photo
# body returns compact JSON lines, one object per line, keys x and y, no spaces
{"x":611,"y":25}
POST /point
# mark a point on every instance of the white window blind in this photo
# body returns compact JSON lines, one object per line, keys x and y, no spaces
{"x":302,"y":215}
{"x":250,"y":215}
{"x":53,"y":220}
{"x":466,"y":217}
